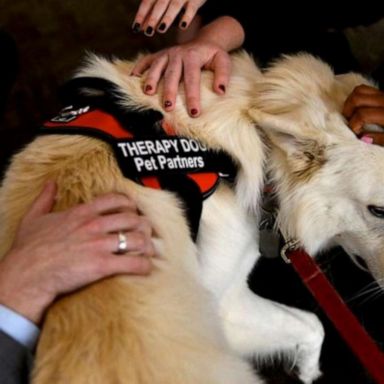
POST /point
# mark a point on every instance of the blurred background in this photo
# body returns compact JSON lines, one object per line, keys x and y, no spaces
{"x":43,"y":42}
{"x":46,"y":41}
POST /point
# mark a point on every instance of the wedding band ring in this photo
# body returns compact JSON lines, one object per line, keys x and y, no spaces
{"x":122,"y":246}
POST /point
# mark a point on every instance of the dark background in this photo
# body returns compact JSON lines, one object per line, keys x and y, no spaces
{"x":51,"y":38}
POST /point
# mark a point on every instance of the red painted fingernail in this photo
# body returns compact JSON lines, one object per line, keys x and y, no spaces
{"x":149,"y":31}
{"x":222,"y":87}
{"x":167,"y":104}
{"x":136,"y":28}
{"x":194,"y":111}
{"x":148,"y":88}
{"x":162,"y":27}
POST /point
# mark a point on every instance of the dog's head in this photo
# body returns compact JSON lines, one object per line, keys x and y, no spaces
{"x":329,"y":184}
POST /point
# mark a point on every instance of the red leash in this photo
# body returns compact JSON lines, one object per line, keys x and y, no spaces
{"x":332,"y":304}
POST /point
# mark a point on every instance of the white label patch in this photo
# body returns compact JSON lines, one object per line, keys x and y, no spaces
{"x":146,"y":156}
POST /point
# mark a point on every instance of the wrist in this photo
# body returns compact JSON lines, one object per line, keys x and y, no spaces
{"x":225,"y":32}
{"x":32,"y":308}
{"x":27,"y":300}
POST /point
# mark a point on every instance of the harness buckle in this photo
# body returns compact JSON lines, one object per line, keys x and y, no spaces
{"x":290,"y":245}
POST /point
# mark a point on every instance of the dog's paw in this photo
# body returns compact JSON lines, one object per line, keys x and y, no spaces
{"x":308,"y":352}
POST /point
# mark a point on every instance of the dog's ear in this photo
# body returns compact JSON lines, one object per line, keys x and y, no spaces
{"x":304,"y":150}
{"x":284,"y":133}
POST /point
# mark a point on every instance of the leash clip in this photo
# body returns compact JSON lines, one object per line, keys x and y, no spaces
{"x":289,"y":246}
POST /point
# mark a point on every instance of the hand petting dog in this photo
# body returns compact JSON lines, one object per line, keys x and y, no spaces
{"x":365,"y":105}
{"x":58,"y":252}
{"x":158,"y":15}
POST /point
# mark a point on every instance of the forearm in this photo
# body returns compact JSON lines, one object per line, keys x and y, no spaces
{"x":225,"y":32}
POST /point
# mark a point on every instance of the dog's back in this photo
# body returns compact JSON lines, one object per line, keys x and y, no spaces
{"x":158,"y":329}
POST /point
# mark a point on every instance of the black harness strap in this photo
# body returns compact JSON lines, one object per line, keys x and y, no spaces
{"x":143,"y":151}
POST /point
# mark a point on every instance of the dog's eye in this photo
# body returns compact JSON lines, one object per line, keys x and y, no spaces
{"x":376,"y":211}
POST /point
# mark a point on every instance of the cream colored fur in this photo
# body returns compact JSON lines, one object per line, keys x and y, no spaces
{"x":324,"y":176}
{"x":193,"y":320}
{"x":140,"y":330}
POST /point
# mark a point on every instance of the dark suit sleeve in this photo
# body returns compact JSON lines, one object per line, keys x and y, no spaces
{"x":15,"y":361}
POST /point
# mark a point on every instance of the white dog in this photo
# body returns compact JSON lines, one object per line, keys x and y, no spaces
{"x":329,"y":184}
{"x":194,"y":319}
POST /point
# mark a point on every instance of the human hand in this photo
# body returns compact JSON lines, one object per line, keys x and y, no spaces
{"x":57,"y":253}
{"x":158,"y":15}
{"x":365,"y":105}
{"x":184,"y":61}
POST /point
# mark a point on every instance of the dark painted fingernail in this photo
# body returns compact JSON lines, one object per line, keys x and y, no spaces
{"x":149,"y":31}
{"x":183,"y":24}
{"x":136,"y":28}
{"x":148,"y":88}
{"x":222,"y":87}
{"x":167,"y":104}
{"x":162,"y":27}
{"x":194,"y":111}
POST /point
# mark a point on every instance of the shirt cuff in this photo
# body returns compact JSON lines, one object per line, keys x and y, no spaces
{"x":18,"y":327}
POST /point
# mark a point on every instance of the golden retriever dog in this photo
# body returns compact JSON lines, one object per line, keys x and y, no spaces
{"x":194,"y":319}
